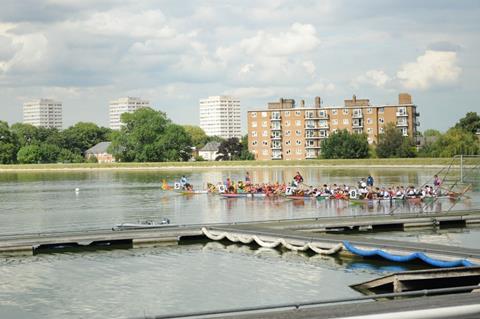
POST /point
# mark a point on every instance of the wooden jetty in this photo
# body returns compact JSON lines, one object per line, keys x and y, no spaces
{"x":421,"y":279}
{"x":297,"y":230}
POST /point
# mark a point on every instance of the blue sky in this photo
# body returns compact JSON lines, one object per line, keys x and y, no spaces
{"x":173,"y":53}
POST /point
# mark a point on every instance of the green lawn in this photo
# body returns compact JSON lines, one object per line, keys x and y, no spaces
{"x":303,"y":163}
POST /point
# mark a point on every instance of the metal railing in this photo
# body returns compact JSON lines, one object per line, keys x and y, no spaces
{"x":298,"y":305}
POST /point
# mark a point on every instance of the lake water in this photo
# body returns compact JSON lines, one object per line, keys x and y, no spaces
{"x":198,"y":277}
{"x":154,"y":281}
{"x":39,"y":202}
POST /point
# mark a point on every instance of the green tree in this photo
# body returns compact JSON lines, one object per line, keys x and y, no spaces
{"x":174,"y":144}
{"x":198,"y":136}
{"x":8,"y":144}
{"x":245,"y":153}
{"x":393,"y":144}
{"x":469,"y":123}
{"x":229,"y":150}
{"x":455,"y":141}
{"x":432,"y":132}
{"x":215,"y":139}
{"x":27,"y":134}
{"x":343,"y":144}
{"x":81,"y":136}
{"x":149,"y":136}
{"x":29,"y":154}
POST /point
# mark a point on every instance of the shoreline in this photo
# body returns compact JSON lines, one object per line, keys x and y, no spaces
{"x":233,"y":167}
{"x":387,"y":163}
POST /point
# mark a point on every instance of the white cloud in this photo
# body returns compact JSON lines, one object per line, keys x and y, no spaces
{"x":309,"y":67}
{"x":251,"y":92}
{"x":376,"y":78}
{"x":30,"y":53}
{"x":431,"y":69}
{"x":319,"y":87}
{"x":247,"y":68}
{"x":121,"y":22}
{"x":299,"y":38}
{"x":272,"y":57}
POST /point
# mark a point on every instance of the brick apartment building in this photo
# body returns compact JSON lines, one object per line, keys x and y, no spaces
{"x":290,"y":132}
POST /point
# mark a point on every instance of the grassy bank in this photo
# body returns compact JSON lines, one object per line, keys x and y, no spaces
{"x":384,"y":162}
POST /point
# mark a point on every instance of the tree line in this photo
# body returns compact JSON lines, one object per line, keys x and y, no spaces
{"x":146,"y":136}
{"x":459,"y":139}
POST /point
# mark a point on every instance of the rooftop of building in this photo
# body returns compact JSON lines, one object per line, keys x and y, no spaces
{"x":211,"y":147}
{"x":404,"y":99}
{"x":100,"y":148}
{"x":43,"y":101}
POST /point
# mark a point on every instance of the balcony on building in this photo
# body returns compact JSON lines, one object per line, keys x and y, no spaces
{"x":402,"y":123}
{"x":275,"y":116}
{"x":311,"y":154}
{"x":276,"y":137}
{"x":276,"y":155}
{"x":357,"y":114}
{"x":276,"y":144}
{"x":417,"y":113}
{"x":402,"y":114}
{"x":357,"y":123}
{"x":276,"y":126}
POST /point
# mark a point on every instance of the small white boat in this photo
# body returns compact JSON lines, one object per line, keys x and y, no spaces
{"x":147,"y":224}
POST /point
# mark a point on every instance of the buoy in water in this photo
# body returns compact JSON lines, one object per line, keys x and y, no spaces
{"x":77,"y":190}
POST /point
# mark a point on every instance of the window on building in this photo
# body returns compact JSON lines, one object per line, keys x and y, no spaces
{"x":381,"y":130}
{"x":369,"y":121}
{"x":345,"y":121}
{"x":287,"y":123}
{"x":254,"y":143}
{"x":288,"y":142}
{"x":254,"y":134}
{"x":323,"y":133}
{"x":264,"y":133}
{"x":265,"y":152}
{"x":254,"y":114}
{"x":299,"y":151}
{"x":298,"y":123}
{"x":298,"y":142}
{"x":265,"y":143}
{"x":264,"y":124}
{"x":287,"y":113}
{"x":264,"y":114}
{"x":288,"y":132}
{"x":369,"y":130}
{"x":334,"y":112}
{"x":369,"y":110}
{"x":288,"y":152}
{"x":254,"y":124}
{"x":381,"y":120}
{"x":298,"y":113}
{"x":381,"y":110}
{"x":298,"y":133}
{"x":334,"y":122}
{"x":345,"y":111}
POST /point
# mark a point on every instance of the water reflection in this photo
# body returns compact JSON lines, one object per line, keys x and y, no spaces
{"x":140,"y":282}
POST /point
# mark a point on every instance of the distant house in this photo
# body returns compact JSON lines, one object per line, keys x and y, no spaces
{"x":210,"y":151}
{"x":100,"y":152}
